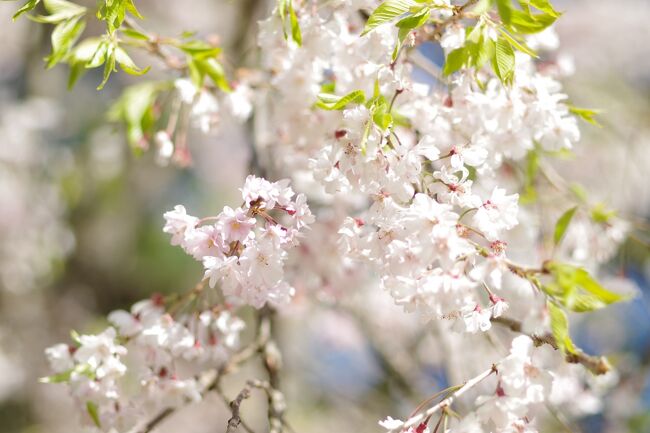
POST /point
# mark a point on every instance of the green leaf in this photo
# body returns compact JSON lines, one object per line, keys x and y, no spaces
{"x":586,"y":114}
{"x":387,"y":11}
{"x":583,"y":302}
{"x":57,"y":378}
{"x":380,"y":115}
{"x":505,"y":10}
{"x":576,"y":289}
{"x":592,"y":286}
{"x":59,"y":10}
{"x":330,"y":102}
{"x":134,"y":34}
{"x":93,"y":412}
{"x":214,"y":70}
{"x":562,"y":225}
{"x":196,"y":73}
{"x":127,"y":64}
{"x":27,"y":7}
{"x":199,"y":49}
{"x":130,"y":7}
{"x":529,"y":23}
{"x":402,"y":34}
{"x":518,"y":45}
{"x":296,"y":35}
{"x":415,"y":20}
{"x":504,"y":61}
{"x":544,"y":6}
{"x":480,"y":51}
{"x":63,"y":37}
{"x":455,"y":60}
{"x":282,"y":13}
{"x":560,"y":328}
{"x":109,"y":64}
{"x":113,"y":12}
{"x":525,"y":21}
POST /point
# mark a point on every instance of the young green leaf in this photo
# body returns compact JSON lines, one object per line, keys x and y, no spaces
{"x":199,"y":49}
{"x":93,"y":412}
{"x":592,"y":286}
{"x":214,"y":70}
{"x":27,"y":7}
{"x":63,"y":37}
{"x":480,"y":51}
{"x":57,"y":378}
{"x":109,"y":64}
{"x":402,"y":34}
{"x":418,"y":19}
{"x":586,"y":114}
{"x":560,"y":328}
{"x":113,"y":12}
{"x":59,"y":10}
{"x":583,"y":302}
{"x":332,"y":102}
{"x":503,"y":62}
{"x":134,"y":34}
{"x":386,"y":12}
{"x":576,"y":289}
{"x":130,"y":7}
{"x":562,"y":225}
{"x":296,"y":35}
{"x":544,"y":6}
{"x":505,"y":10}
{"x":518,"y":45}
{"x":127,"y":64}
{"x":455,"y":60}
{"x":523,"y":22}
{"x":380,"y":115}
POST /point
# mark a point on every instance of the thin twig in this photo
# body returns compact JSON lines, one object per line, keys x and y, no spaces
{"x":449,"y":400}
{"x":154,"y":47}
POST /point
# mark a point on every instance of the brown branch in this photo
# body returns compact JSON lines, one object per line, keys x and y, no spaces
{"x":596,"y":364}
{"x":272,"y":361}
{"x":235,"y":406}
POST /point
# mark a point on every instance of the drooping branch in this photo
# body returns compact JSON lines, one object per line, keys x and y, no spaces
{"x":596,"y":364}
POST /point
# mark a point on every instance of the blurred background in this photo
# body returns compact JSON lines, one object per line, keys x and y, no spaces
{"x":81,"y":221}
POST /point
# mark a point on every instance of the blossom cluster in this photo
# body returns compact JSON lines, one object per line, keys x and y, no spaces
{"x":147,"y":360}
{"x":244,"y":249}
{"x":422,"y":185}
